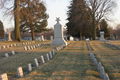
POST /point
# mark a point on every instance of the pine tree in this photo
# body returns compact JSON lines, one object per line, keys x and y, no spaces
{"x":79,"y":19}
{"x":36,"y":18}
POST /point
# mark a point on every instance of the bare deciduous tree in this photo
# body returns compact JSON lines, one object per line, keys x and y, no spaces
{"x":99,"y":9}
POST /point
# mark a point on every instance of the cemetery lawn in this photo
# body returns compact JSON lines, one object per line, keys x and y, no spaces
{"x":71,"y":63}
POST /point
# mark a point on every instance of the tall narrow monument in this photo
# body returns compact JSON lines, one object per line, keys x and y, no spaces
{"x":58,"y":34}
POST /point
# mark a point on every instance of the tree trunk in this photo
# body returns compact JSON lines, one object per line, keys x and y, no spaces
{"x":33,"y":38}
{"x":94,"y":27}
{"x":16,"y":20}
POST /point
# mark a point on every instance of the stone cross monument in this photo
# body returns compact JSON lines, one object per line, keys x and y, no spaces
{"x":58,"y":34}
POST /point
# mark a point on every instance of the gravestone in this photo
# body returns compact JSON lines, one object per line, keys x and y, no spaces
{"x":58,"y":34}
{"x":53,"y":53}
{"x":81,"y":38}
{"x":3,"y":76}
{"x":7,"y":37}
{"x":35,"y":63}
{"x":19,"y":72}
{"x":99,"y":66}
{"x":112,"y":36}
{"x":50,"y":55}
{"x":102,"y":36}
{"x":29,"y":67}
{"x":11,"y":45}
{"x":95,"y":62}
{"x":3,"y":47}
{"x":31,"y":47}
{"x":13,"y":53}
{"x":7,"y":46}
{"x":42,"y":61}
{"x":71,"y":38}
{"x":106,"y":77}
{"x":28,"y":47}
{"x":102,"y":72}
{"x":14,"y":44}
{"x":6,"y":55}
{"x":42,"y":38}
{"x":47,"y":57}
{"x":51,"y":37}
{"x":25,"y":48}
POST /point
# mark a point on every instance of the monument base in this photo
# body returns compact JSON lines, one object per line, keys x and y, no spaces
{"x":59,"y":42}
{"x":102,"y":40}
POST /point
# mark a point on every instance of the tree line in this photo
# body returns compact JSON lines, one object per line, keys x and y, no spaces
{"x":86,"y":17}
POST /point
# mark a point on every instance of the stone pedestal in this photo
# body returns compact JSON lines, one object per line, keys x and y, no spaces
{"x":102,"y":36}
{"x":58,"y":34}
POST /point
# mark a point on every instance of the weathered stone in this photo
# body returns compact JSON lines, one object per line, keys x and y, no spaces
{"x":36,"y":46}
{"x":106,"y":77}
{"x":25,"y":48}
{"x":99,"y":66}
{"x":47,"y":57}
{"x":53,"y":53}
{"x":50,"y":55}
{"x":31,"y":47}
{"x":29,"y":67}
{"x":13,"y":53}
{"x":3,"y":47}
{"x":7,"y":46}
{"x":95,"y":62}
{"x":42,"y":61}
{"x":6,"y":55}
{"x":3,"y":76}
{"x":102,"y":72}
{"x":28,"y":47}
{"x":19,"y":72}
{"x":35,"y":63}
{"x":11,"y":45}
{"x":14,"y":44}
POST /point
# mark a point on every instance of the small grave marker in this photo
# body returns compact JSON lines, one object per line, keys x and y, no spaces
{"x":13,"y":53}
{"x":19,"y":72}
{"x":3,"y":76}
{"x":42,"y":61}
{"x":35,"y":63}
{"x":102,"y":72}
{"x":50,"y":55}
{"x":29,"y":67}
{"x":47,"y":57}
{"x":6,"y":55}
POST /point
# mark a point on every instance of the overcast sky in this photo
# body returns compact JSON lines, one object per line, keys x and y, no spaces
{"x":58,"y":8}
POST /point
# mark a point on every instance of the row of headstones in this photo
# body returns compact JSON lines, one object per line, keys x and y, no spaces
{"x":62,"y":46}
{"x":35,"y":46}
{"x":112,"y":45}
{"x":20,"y":73}
{"x":7,"y":55}
{"x":11,"y":45}
{"x":89,"y":48}
{"x":99,"y":66}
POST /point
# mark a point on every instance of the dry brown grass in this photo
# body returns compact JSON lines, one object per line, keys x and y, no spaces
{"x":72,"y":63}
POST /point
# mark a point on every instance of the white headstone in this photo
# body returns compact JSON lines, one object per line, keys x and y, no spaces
{"x":99,"y":66}
{"x":47,"y":57}
{"x":102,"y":36}
{"x":106,"y":77}
{"x":102,"y":72}
{"x":42,"y":38}
{"x":29,"y":67}
{"x":25,"y":48}
{"x":53,"y":53}
{"x":35,"y":63}
{"x":19,"y":72}
{"x":51,"y":37}
{"x":6,"y":55}
{"x":13,"y":53}
{"x":58,"y":34}
{"x":42,"y":61}
{"x":50,"y":55}
{"x":3,"y":76}
{"x":71,"y":38}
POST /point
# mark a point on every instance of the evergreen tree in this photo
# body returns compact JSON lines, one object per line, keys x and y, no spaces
{"x":79,"y":19}
{"x":1,"y":30}
{"x":36,"y":18}
{"x":104,"y":27}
